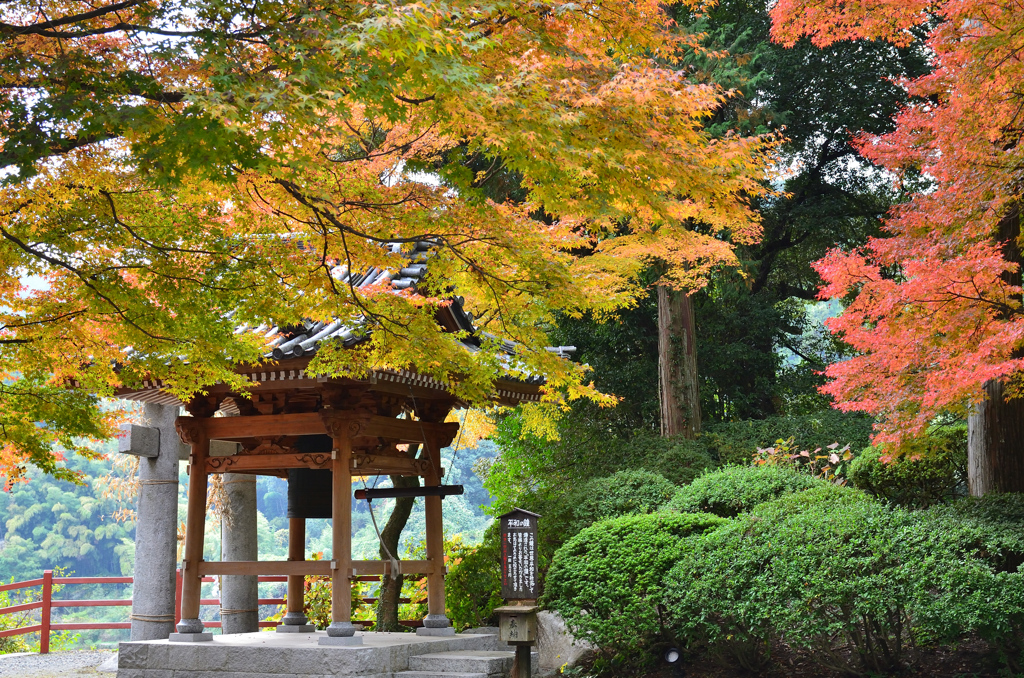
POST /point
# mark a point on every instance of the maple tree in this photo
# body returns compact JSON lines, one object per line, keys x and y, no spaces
{"x":175,"y":170}
{"x":935,"y":307}
{"x":831,"y":196}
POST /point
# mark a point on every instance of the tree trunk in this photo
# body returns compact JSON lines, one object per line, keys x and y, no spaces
{"x":995,"y":427}
{"x":995,"y":444}
{"x":391,"y":586}
{"x":677,"y":364}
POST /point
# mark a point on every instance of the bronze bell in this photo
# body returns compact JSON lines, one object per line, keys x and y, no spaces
{"x":309,"y":490}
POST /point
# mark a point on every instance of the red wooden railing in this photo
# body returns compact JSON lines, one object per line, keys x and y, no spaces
{"x":47,"y":603}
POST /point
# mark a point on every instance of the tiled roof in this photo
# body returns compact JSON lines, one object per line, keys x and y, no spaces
{"x":304,"y":339}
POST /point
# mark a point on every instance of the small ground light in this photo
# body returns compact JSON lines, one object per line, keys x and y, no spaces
{"x":674,"y":658}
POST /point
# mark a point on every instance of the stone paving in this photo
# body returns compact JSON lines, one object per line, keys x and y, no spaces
{"x":263,"y":655}
{"x":64,"y":664}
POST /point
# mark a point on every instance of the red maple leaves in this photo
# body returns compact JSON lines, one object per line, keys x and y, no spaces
{"x":936,"y":310}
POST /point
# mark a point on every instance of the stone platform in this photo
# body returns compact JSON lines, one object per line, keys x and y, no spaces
{"x":267,"y":654}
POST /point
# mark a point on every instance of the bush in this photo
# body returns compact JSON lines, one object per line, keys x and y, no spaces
{"x":607,"y":581}
{"x":473,"y":584}
{"x":827,"y":570}
{"x":930,"y":470}
{"x":736,"y":442}
{"x":681,"y":463}
{"x":735,"y":489}
{"x":620,"y":494}
{"x":979,"y":547}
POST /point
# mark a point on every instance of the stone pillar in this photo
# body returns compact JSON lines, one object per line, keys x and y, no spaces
{"x":156,"y":524}
{"x":192,"y":431}
{"x":436,"y":622}
{"x":239,"y":609}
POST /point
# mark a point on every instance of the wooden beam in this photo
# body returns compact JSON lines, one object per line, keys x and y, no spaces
{"x":266,"y":425}
{"x":363,"y":567}
{"x":253,"y":463}
{"x":363,"y":465}
{"x":312,"y":423}
{"x":257,"y":567}
{"x":375,"y":464}
{"x":402,"y":430}
{"x":320,"y":568}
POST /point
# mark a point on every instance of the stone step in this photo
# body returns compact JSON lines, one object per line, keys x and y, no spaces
{"x":465,"y":661}
{"x":440,"y":674}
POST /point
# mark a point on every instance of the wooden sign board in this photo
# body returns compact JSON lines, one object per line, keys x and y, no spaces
{"x":519,"y":577}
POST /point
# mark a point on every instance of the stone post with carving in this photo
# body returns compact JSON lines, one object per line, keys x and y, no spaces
{"x":156,"y":526}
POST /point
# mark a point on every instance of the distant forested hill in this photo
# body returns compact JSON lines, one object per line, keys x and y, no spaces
{"x":46,"y":523}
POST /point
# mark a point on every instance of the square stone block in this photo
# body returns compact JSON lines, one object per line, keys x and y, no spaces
{"x":424,"y":631}
{"x":300,"y":628}
{"x":141,"y":441}
{"x":190,"y":637}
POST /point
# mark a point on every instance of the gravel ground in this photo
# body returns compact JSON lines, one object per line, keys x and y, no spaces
{"x":66,"y":664}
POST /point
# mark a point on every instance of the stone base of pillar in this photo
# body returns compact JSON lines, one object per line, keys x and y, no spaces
{"x":427,"y":631}
{"x":301,"y":628}
{"x":344,"y":641}
{"x":190,"y":626}
{"x":190,"y":637}
{"x":341,"y":630}
{"x":436,"y":621}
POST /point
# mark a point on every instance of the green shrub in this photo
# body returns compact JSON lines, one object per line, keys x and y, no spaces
{"x":822,"y":496}
{"x":473,"y":583}
{"x":620,"y":494}
{"x":576,"y":507}
{"x":607,"y":581}
{"x":681,"y":463}
{"x":978,"y":546}
{"x":932,"y":469}
{"x":736,"y":442}
{"x":826,"y":570}
{"x":734,"y":489}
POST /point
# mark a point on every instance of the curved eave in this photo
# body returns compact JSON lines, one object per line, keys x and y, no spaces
{"x":508,"y":392}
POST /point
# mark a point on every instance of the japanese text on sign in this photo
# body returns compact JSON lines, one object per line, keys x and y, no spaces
{"x":519,"y":555}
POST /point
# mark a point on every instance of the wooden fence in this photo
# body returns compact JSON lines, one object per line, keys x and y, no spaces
{"x":46,"y":603}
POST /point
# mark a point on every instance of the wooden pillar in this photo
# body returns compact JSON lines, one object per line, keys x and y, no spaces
{"x":296,"y":582}
{"x":341,"y":630}
{"x":436,"y":618}
{"x":192,"y":431}
{"x":295,"y":621}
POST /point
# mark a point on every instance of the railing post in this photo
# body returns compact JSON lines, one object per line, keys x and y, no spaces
{"x":177,"y":596}
{"x":44,"y":633}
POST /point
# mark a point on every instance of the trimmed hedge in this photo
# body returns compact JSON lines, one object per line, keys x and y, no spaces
{"x":932,"y":469}
{"x":859,"y":586}
{"x":621,"y":494}
{"x":607,"y":580}
{"x":980,"y":587}
{"x":827,"y":570}
{"x":732,"y":490}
